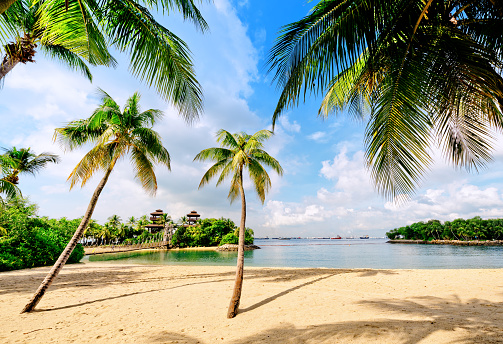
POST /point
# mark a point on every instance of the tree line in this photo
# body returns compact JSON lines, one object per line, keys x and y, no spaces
{"x":27,"y":240}
{"x":459,"y":229}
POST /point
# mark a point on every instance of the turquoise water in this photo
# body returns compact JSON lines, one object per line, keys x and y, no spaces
{"x":344,"y":253}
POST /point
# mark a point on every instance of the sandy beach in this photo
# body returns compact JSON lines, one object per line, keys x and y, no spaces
{"x":106,"y":303}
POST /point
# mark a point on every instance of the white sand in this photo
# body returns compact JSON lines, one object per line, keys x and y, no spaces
{"x":104,"y":303}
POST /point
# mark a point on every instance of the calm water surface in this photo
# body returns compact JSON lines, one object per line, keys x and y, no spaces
{"x":344,"y":253}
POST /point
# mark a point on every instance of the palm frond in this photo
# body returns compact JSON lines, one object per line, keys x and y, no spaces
{"x":90,"y":163}
{"x":226,"y":139}
{"x":68,"y":58}
{"x":186,"y":7}
{"x":214,"y":154}
{"x":260,"y":178}
{"x":149,"y":142}
{"x":9,"y":189}
{"x":144,"y":170}
{"x":73,"y":25}
{"x":219,"y":166}
{"x":158,"y":57}
{"x":263,"y":157}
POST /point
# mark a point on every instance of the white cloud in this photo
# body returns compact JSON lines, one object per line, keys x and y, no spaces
{"x":319,"y":136}
{"x":289,"y":126}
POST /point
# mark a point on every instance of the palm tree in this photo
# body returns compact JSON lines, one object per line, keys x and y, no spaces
{"x":23,"y":22}
{"x":24,"y":161}
{"x":423,"y":72}
{"x":74,"y":30}
{"x":7,"y":187}
{"x":183,"y":220}
{"x":123,"y":231}
{"x":238,"y":152}
{"x":116,"y":135}
{"x":114,"y":221}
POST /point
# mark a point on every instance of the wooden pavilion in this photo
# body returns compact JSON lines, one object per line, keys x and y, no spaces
{"x":155,"y":226}
{"x":192,"y":218}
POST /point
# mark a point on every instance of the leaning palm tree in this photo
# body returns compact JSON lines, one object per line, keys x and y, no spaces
{"x":238,"y":152}
{"x":117,"y":134}
{"x":84,"y":29}
{"x":23,"y":161}
{"x":421,"y":72}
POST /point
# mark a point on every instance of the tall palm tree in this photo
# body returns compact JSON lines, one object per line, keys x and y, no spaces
{"x":123,"y":231}
{"x":24,"y":160}
{"x":422,"y":72}
{"x":117,"y":134}
{"x":238,"y":152}
{"x":85,"y":28}
{"x":114,"y":221}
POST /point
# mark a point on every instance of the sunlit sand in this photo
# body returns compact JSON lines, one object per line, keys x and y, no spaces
{"x":107,"y":303}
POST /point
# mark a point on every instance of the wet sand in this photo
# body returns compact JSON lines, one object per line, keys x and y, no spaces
{"x":107,"y":303}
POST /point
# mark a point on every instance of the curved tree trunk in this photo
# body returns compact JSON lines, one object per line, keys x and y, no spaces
{"x":5,"y":4}
{"x":238,"y":284}
{"x":8,"y":64}
{"x":69,"y":248}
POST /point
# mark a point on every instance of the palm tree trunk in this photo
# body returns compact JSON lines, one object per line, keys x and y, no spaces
{"x":238,"y":284}
{"x":5,"y":4}
{"x":69,"y":248}
{"x":8,"y":64}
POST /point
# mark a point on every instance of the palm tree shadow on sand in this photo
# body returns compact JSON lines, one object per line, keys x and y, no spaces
{"x":444,"y":314}
{"x":74,"y":277}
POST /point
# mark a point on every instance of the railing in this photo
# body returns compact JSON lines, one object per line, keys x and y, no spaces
{"x":94,"y":245}
{"x":90,"y":250}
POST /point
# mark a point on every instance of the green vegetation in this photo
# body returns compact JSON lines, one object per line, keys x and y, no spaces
{"x":238,"y":152}
{"x":459,"y":229}
{"x":420,"y":73}
{"x":78,"y":33}
{"x":210,"y":232}
{"x":27,"y":240}
{"x":15,"y":162}
{"x":115,"y":134}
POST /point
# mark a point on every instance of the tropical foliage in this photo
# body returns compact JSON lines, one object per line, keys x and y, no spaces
{"x":459,"y":229}
{"x":116,"y":134}
{"x":79,"y":32}
{"x":20,"y":161}
{"x":23,"y":161}
{"x":23,"y":22}
{"x":238,"y":152}
{"x":209,"y":232}
{"x":27,"y":240}
{"x":422,"y":73}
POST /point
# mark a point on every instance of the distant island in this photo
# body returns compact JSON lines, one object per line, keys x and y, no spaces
{"x":471,"y":232}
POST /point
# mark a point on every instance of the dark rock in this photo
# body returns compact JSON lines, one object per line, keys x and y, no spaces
{"x":234,"y":247}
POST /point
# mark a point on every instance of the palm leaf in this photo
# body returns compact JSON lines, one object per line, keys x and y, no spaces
{"x":158,"y":57}
{"x":67,"y":57}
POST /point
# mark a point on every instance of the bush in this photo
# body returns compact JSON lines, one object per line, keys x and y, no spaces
{"x":233,"y":237}
{"x":208,"y":232}
{"x":30,"y":241}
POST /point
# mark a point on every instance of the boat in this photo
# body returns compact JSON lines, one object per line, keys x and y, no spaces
{"x":364,"y":237}
{"x":336,"y":237}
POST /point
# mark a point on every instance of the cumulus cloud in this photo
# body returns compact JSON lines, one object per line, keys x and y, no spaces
{"x":319,"y":136}
{"x":289,"y":126}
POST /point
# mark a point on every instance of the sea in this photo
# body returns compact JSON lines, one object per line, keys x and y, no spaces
{"x":326,"y":253}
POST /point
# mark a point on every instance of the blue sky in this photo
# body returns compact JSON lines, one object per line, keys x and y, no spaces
{"x":325,"y":189}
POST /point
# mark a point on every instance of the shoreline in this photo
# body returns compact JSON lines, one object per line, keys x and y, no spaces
{"x":449,"y":242}
{"x":118,"y":303}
